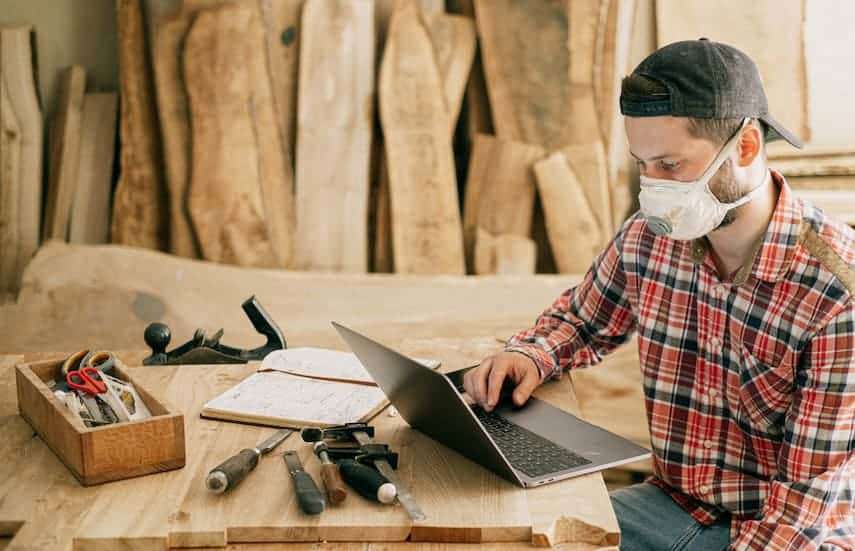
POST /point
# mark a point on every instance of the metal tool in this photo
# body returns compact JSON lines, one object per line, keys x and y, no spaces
{"x":204,"y":350}
{"x":93,"y":392}
{"x":102,"y":360}
{"x":362,"y":434}
{"x":330,"y":475}
{"x":367,"y":481}
{"x":233,"y":470}
{"x":309,"y":497}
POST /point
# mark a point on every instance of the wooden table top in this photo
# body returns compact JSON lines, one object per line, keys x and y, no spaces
{"x":44,"y":507}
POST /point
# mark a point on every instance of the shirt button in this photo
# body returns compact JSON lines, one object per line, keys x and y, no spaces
{"x":708,"y":444}
{"x":715,"y":342}
{"x":712,"y":392}
{"x":704,"y":489}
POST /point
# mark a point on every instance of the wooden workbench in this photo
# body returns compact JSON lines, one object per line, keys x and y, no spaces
{"x":42,"y":504}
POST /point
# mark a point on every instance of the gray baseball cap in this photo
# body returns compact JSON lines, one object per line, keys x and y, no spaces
{"x":707,"y":80}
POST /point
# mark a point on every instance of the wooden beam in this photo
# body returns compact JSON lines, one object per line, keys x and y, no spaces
{"x":426,"y":228}
{"x":64,"y":153}
{"x":20,"y":156}
{"x":334,"y":133}
{"x":239,"y":199}
{"x":524,"y":51}
{"x":574,"y":233}
{"x":90,"y":213}
{"x":140,"y":207}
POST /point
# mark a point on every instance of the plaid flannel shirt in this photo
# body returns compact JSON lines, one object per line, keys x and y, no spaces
{"x":749,"y":382}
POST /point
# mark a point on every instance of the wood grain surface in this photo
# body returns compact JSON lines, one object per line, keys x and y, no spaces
{"x":20,"y":154}
{"x":140,"y":204}
{"x":426,"y":226}
{"x":334,"y":134}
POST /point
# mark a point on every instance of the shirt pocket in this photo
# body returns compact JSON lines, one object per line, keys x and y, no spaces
{"x":764,"y":396}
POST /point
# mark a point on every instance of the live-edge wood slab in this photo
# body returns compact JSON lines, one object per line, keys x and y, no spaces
{"x":426,"y":226}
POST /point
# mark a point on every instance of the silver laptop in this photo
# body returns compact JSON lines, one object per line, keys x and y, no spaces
{"x":532,"y":445}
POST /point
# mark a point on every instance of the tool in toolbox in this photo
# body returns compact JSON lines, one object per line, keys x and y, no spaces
{"x":362,"y":433}
{"x":204,"y":350}
{"x":93,"y":392}
{"x":102,"y":360}
{"x":309,"y":497}
{"x":233,"y":470}
{"x":330,"y":474}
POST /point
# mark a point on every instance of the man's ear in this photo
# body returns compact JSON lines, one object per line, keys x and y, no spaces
{"x":750,"y":144}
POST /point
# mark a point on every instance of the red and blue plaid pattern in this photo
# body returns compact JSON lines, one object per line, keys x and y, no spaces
{"x":749,"y":383}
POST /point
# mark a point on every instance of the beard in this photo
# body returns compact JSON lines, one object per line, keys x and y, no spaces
{"x":726,"y":189}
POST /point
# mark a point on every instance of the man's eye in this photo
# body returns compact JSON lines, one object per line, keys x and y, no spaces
{"x":669,"y":166}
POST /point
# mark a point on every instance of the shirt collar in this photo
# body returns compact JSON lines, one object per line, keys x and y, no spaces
{"x":773,"y":255}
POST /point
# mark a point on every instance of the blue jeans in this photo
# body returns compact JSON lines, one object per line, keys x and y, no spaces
{"x":650,"y":520}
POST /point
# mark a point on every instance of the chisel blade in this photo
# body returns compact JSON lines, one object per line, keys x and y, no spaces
{"x":273,"y":441}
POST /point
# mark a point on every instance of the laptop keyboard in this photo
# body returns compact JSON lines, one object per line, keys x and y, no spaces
{"x":527,"y":451}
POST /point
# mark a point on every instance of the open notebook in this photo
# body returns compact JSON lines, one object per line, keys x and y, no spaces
{"x":301,"y":387}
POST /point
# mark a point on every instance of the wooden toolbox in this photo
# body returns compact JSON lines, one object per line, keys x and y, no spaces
{"x":100,"y":454}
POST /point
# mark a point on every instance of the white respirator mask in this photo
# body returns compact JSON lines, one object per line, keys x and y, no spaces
{"x":689,"y":210}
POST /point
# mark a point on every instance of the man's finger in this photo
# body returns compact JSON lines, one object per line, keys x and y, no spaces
{"x":479,"y":381}
{"x":494,"y":388}
{"x":531,"y":378}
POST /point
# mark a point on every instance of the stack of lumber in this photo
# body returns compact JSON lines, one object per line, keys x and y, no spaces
{"x":335,"y":135}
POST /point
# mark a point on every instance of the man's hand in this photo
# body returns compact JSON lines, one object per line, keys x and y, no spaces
{"x":484,"y":383}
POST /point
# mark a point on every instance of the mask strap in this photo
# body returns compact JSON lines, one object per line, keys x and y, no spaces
{"x":724,"y":153}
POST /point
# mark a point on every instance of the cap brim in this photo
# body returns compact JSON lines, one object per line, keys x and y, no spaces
{"x":776,"y":131}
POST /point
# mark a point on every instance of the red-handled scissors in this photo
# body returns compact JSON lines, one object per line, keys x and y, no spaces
{"x":87,"y":380}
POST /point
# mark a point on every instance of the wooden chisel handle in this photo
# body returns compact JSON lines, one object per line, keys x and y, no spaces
{"x":333,"y":483}
{"x":230,"y":472}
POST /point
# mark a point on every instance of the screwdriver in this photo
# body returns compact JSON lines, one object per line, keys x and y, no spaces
{"x":230,"y":472}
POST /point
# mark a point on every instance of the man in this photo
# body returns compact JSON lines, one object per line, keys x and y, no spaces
{"x":742,"y":299}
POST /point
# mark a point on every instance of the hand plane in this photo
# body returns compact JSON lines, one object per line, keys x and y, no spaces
{"x":203,"y":350}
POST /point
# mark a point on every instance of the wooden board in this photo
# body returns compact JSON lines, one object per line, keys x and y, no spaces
{"x":524,"y":51}
{"x":586,"y":152}
{"x":21,"y":155}
{"x":10,"y":191}
{"x":140,"y":206}
{"x":64,"y":153}
{"x":770,"y":32}
{"x":168,"y":24}
{"x":500,"y":189}
{"x":505,"y":254}
{"x":90,"y":214}
{"x":335,"y":121}
{"x":427,"y":237}
{"x":477,"y":116}
{"x":239,"y":200}
{"x":383,"y":10}
{"x":573,"y":232}
{"x":453,"y":40}
{"x":281,"y":19}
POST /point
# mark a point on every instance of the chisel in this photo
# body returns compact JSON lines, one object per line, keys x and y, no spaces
{"x":230,"y":472}
{"x":309,"y":497}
